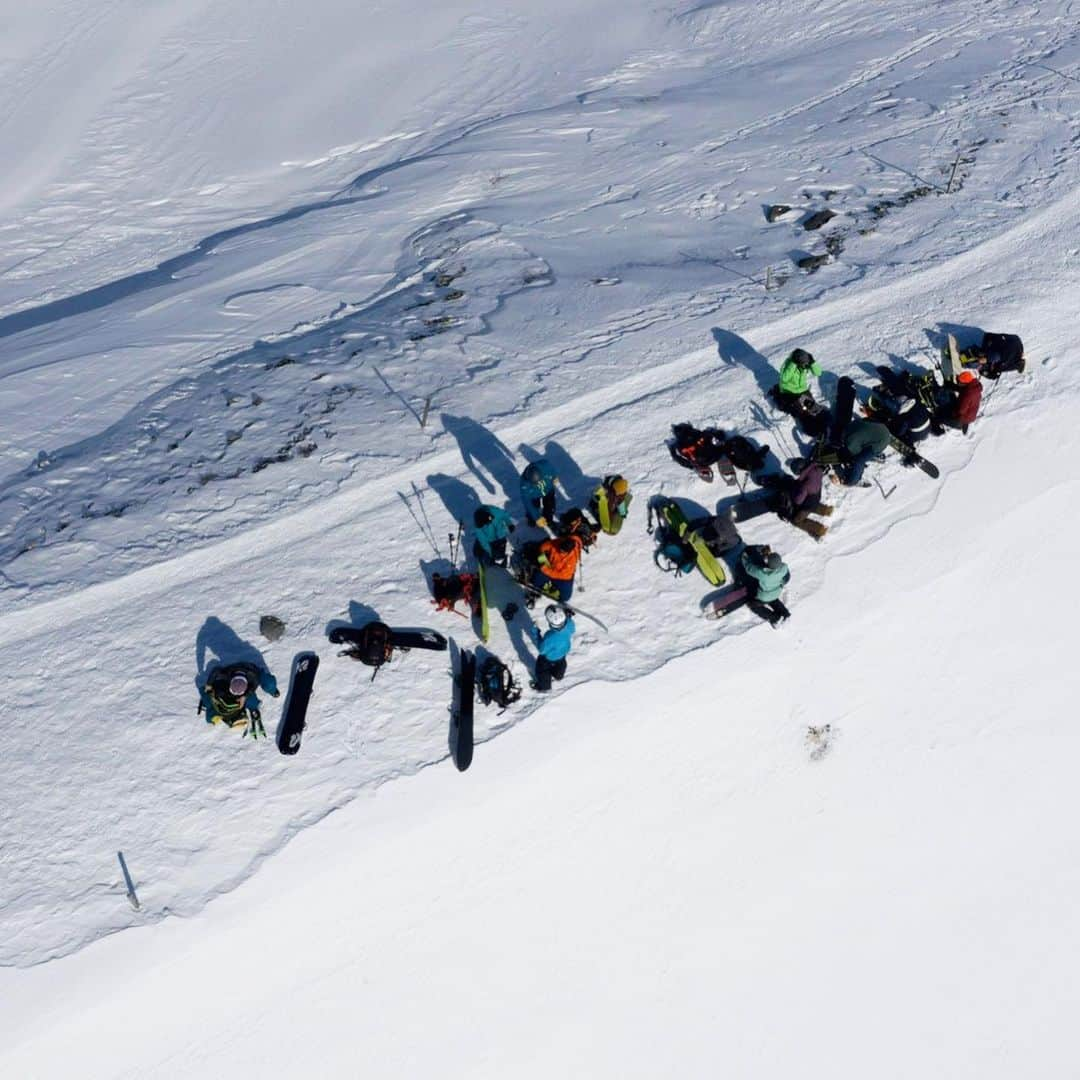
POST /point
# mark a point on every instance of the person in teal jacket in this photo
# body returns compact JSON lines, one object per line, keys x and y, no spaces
{"x":491,"y":528}
{"x":793,"y":395}
{"x":765,"y":575}
{"x":554,"y":647}
{"x":538,"y":492}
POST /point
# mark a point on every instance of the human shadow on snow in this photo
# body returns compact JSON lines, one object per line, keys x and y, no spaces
{"x":225,"y":646}
{"x":736,"y":351}
{"x":359,"y":615}
{"x":486,"y":456}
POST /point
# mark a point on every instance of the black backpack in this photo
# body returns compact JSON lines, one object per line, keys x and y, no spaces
{"x":495,"y":684}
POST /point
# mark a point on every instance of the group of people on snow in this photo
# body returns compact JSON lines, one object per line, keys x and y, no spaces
{"x":902,"y":410}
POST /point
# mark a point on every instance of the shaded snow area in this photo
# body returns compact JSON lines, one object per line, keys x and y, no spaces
{"x":285,"y":295}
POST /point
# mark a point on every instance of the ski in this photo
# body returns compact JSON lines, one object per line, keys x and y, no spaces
{"x":571,"y":609}
{"x":462,"y":709}
{"x":485,"y":628}
{"x":912,"y":455}
{"x":294,"y":715}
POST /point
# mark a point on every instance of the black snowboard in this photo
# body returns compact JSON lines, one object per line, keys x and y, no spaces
{"x":752,"y":506}
{"x":914,"y":457}
{"x":464,"y":696}
{"x":294,"y":715}
{"x":400,"y":639}
{"x":842,"y":410}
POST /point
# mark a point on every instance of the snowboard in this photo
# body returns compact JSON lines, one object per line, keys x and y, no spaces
{"x":462,"y":710}
{"x":726,"y":602}
{"x":709,"y":565}
{"x":951,"y":363}
{"x":294,"y":715}
{"x":914,"y":456}
{"x":842,"y":410}
{"x":400,"y":639}
{"x":752,"y":506}
{"x":611,"y":525}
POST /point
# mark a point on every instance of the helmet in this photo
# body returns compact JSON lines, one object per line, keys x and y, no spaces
{"x":531,"y":475}
{"x":556,"y":616}
{"x":620,"y":486}
{"x":966,"y":377}
{"x":801,"y":357}
{"x":482,"y":516}
{"x":773,"y":561}
{"x":238,"y":685}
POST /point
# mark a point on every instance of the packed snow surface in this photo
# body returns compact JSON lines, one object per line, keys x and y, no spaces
{"x":285,"y":292}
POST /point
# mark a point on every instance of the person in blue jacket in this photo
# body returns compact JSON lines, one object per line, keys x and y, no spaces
{"x":491,"y":528}
{"x":554,"y":647}
{"x":538,"y":492}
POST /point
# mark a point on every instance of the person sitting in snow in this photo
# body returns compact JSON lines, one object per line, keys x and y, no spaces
{"x":610,"y":503}
{"x":795,"y":498}
{"x":556,"y":563}
{"x":229,"y":696}
{"x":492,"y":526}
{"x":792,"y":392}
{"x":864,"y":440}
{"x":994,"y":355}
{"x":963,"y":406}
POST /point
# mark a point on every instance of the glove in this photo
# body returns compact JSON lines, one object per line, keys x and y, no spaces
{"x":542,"y":522}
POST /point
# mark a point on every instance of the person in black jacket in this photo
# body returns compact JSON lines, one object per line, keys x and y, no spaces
{"x":995,"y":354}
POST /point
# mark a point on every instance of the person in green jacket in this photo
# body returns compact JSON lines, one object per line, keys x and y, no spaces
{"x":793,"y":395}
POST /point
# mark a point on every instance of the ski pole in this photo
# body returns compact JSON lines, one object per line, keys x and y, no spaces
{"x":581,"y":576}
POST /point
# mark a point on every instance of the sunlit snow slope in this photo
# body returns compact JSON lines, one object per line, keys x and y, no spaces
{"x":246,"y":250}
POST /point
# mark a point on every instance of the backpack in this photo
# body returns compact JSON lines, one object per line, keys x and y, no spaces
{"x":674,"y":553}
{"x":495,"y":684}
{"x":374,"y":646}
{"x":447,"y":591}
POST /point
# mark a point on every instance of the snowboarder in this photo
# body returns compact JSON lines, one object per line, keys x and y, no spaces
{"x":863,"y":441}
{"x":995,"y":354}
{"x":556,"y":563}
{"x":792,"y":392}
{"x":554,"y":646}
{"x":610,"y":503}
{"x":229,"y":696}
{"x":491,"y":528}
{"x":538,"y":492}
{"x":906,"y":417}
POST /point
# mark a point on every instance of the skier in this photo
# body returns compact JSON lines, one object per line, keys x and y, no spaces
{"x":792,"y":393}
{"x":556,"y":563}
{"x":491,"y":528}
{"x":554,"y":647}
{"x":574,"y":523}
{"x":229,"y":696}
{"x":610,"y":503}
{"x":538,"y":492}
{"x":863,"y":440}
{"x":795,"y":498}
{"x":995,"y":354}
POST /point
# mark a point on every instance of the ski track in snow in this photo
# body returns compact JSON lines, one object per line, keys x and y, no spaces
{"x":367,"y":548}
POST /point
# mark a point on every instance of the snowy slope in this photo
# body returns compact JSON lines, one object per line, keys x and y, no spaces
{"x":551,"y":233}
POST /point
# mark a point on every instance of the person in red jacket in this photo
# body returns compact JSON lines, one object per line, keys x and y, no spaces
{"x":968,"y":399}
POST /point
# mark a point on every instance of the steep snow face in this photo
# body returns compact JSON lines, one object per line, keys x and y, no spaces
{"x":282,"y":301}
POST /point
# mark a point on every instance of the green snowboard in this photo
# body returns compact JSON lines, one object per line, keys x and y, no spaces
{"x":707,"y":562}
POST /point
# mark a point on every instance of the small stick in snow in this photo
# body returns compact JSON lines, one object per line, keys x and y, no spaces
{"x":127,"y":881}
{"x":884,"y":494}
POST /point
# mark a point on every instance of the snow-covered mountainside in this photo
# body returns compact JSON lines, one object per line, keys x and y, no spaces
{"x":285,"y":295}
